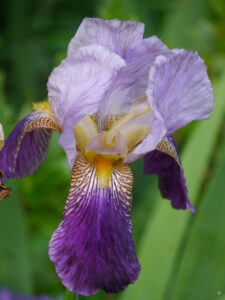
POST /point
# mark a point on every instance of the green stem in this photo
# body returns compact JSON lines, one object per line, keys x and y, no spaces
{"x":70,"y":296}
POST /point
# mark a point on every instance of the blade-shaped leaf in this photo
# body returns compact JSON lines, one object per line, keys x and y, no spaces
{"x":203,"y":262}
{"x":14,"y":266}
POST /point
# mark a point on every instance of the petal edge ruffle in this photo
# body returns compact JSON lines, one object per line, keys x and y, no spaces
{"x":179,"y":89}
{"x":118,"y":36}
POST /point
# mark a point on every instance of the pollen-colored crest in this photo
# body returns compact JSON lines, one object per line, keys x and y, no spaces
{"x":104,"y":170}
{"x":42,"y":106}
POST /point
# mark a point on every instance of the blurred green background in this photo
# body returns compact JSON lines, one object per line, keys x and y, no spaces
{"x":182,"y":255}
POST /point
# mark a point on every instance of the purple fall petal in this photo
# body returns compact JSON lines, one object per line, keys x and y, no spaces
{"x":165,"y":163}
{"x":93,"y":248}
{"x":27,"y":146}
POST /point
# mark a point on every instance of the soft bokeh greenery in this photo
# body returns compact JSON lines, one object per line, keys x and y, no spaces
{"x":182,"y":255}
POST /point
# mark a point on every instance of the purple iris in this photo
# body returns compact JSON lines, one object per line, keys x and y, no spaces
{"x":6,"y":294}
{"x":115,"y":98}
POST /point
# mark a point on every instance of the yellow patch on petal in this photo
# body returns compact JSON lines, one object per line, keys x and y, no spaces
{"x":104,"y":169}
{"x":134,"y":126}
{"x":110,"y":138}
{"x":84,"y":131}
{"x":91,"y":155}
{"x":43,"y":107}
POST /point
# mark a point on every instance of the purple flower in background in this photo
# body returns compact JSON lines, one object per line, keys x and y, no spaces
{"x":115,"y":98}
{"x":6,"y":294}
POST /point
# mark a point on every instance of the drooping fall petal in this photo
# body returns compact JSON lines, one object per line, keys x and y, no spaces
{"x":27,"y":146}
{"x":93,"y":248}
{"x":165,"y":162}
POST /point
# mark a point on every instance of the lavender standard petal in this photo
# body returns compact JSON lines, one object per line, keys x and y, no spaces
{"x":179,"y":89}
{"x":78,"y":86}
{"x":27,"y":146}
{"x":118,"y":36}
{"x":93,"y":248}
{"x":132,"y":80}
{"x":165,"y":163}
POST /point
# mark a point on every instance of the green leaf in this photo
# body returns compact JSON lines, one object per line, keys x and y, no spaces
{"x":15,"y":268}
{"x":202,"y":269}
{"x":165,"y":231}
{"x":70,"y":296}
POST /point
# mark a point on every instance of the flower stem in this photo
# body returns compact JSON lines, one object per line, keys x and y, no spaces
{"x":70,"y":296}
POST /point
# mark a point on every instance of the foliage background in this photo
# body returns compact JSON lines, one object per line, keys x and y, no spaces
{"x":182,"y":255}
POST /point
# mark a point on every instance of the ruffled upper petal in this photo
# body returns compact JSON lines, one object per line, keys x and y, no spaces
{"x":93,"y":248}
{"x":165,"y":162}
{"x":179,"y":89}
{"x":132,"y":80}
{"x":27,"y":145}
{"x":80,"y":81}
{"x":118,"y":36}
{"x":77,"y":87}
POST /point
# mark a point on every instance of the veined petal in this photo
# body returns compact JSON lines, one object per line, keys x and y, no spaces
{"x":27,"y":145}
{"x":118,"y":36}
{"x":132,"y":80}
{"x":93,"y":248}
{"x":77,"y":87}
{"x":179,"y":89}
{"x":80,"y":81}
{"x":165,"y":162}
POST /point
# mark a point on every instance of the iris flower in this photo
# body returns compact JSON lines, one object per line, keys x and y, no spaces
{"x":115,"y":98}
{"x":6,"y":294}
